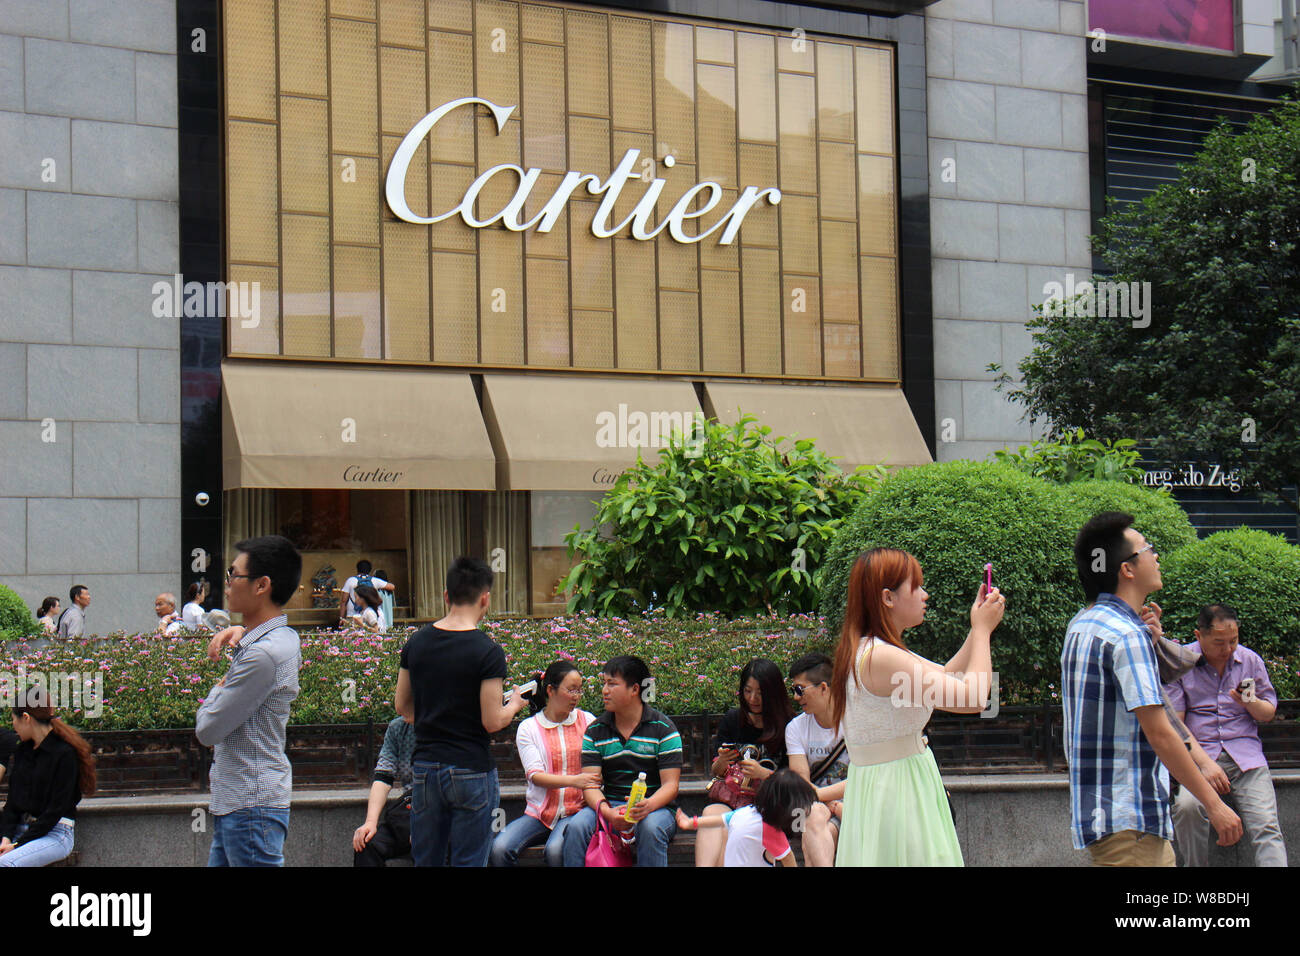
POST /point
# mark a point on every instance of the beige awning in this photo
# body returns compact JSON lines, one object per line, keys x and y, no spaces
{"x":858,"y":426}
{"x":565,"y":433}
{"x":298,"y":426}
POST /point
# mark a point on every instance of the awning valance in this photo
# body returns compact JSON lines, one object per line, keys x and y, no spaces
{"x":858,"y":426}
{"x":298,"y":426}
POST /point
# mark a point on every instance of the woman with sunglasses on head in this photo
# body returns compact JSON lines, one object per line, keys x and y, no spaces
{"x":895,"y":809}
{"x":750,"y":747}
{"x":52,"y":770}
{"x":550,"y":748}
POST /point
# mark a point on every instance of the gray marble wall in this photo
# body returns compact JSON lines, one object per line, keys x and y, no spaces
{"x":89,"y":376}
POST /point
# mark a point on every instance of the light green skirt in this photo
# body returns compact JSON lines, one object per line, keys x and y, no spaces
{"x":896,"y":814}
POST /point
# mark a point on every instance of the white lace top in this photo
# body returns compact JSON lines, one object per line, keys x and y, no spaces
{"x":869,"y":719}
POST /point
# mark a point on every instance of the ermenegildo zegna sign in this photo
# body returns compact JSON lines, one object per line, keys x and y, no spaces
{"x":609,"y":189}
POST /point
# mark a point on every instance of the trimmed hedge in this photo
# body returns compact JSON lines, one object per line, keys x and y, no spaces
{"x":16,"y":620}
{"x":954,"y":517}
{"x":1252,"y":571}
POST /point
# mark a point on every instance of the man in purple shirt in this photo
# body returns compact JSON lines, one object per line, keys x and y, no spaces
{"x":1208,"y":698}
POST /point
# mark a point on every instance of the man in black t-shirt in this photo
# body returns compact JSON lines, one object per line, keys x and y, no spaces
{"x":450,"y":686}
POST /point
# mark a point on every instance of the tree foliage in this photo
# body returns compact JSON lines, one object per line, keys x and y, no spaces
{"x":1216,"y":374}
{"x":732,"y":523}
{"x":1076,"y":458}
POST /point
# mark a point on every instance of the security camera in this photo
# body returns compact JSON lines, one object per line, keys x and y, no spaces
{"x":201,"y":498}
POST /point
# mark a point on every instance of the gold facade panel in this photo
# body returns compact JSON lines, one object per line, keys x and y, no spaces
{"x":679,"y":331}
{"x":555,"y":243}
{"x":263,"y":338}
{"x":364,"y":9}
{"x":406,"y":293}
{"x":588,"y":54}
{"x":591,"y":263}
{"x":799,"y":237}
{"x":357,"y":318}
{"x":877,"y":211}
{"x":843,"y":350}
{"x":455,"y":307}
{"x":875,"y":100}
{"x":715,"y":46}
{"x":631,"y":104}
{"x":798,"y":133}
{"x":305,"y":164}
{"x":880,"y":357}
{"x":802,"y":326}
{"x":839,"y":272}
{"x":544,"y":24}
{"x":837,"y":172}
{"x":674,"y":79}
{"x":402,"y":89}
{"x":593,"y":339}
{"x":451,"y":15}
{"x":501,"y":297}
{"x":750,"y":107}
{"x":589,"y":145}
{"x":496,"y":51}
{"x":835,"y":95}
{"x":497,"y":149}
{"x":543,"y":108}
{"x":417,"y":176}
{"x":302,"y":48}
{"x":720,"y":317}
{"x":756,"y":75}
{"x":401,"y":22}
{"x":306,"y":281}
{"x":447,"y":185}
{"x":548,"y":314}
{"x":356,"y":216}
{"x":451,"y":61}
{"x":252,"y":180}
{"x":716,"y":95}
{"x":354,"y":91}
{"x":252,"y":60}
{"x":636,"y":310}
{"x":760,"y":296}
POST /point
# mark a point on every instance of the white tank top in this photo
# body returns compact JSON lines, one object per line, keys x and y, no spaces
{"x":869,"y":719}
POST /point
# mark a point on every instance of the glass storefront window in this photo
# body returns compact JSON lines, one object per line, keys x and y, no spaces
{"x":554,"y":513}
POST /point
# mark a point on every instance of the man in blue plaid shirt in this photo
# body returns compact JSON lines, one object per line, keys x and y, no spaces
{"x":1118,"y":739}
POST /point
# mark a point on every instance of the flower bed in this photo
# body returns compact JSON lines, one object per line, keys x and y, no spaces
{"x":347,"y":677}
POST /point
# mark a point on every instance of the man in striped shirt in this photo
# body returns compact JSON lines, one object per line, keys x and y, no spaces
{"x":630,"y":738}
{"x":1118,"y":739}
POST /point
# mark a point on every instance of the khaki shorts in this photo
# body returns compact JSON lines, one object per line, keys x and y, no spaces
{"x":1132,"y":848}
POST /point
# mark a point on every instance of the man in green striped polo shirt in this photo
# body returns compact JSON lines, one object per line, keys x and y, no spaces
{"x":630,"y":738}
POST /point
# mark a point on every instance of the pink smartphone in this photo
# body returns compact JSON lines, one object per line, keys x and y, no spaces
{"x":988,"y":578}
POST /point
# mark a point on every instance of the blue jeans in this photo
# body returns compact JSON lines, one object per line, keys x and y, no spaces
{"x":51,"y":848}
{"x":529,"y":831}
{"x":253,"y":836}
{"x":451,"y":814}
{"x":653,"y":834}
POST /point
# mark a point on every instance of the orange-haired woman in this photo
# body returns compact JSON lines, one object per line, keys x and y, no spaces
{"x":52,"y":770}
{"x":895,"y":809}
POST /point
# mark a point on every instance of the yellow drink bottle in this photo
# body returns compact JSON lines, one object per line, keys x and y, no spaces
{"x":637,"y":795}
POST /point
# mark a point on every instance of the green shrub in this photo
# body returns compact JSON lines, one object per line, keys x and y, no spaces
{"x":958,"y":515}
{"x":1076,"y":458}
{"x":954,"y":517}
{"x":1256,"y":573}
{"x":730,"y":522}
{"x":16,"y":620}
{"x":1157,"y":515}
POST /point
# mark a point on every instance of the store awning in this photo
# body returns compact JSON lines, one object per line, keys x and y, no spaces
{"x":297,"y":426}
{"x":565,"y":433}
{"x":858,"y":426}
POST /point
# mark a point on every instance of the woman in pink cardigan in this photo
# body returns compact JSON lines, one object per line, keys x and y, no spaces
{"x":550,"y":748}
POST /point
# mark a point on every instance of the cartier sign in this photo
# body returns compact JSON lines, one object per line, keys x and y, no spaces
{"x":708,"y":193}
